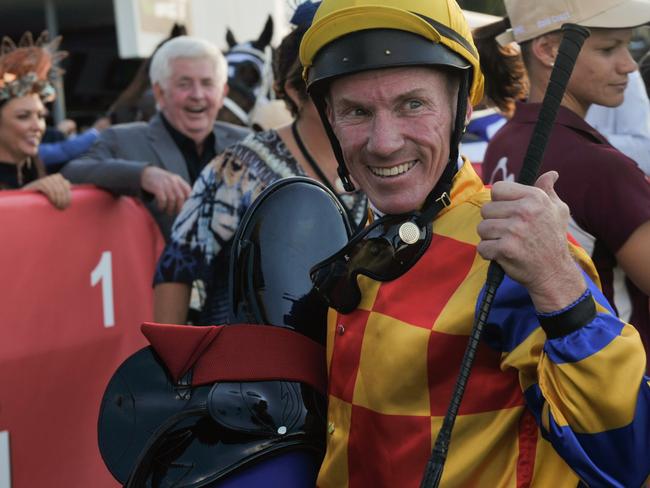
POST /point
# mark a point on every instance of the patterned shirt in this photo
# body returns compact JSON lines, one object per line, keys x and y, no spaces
{"x":536,"y":412}
{"x":198,"y":251}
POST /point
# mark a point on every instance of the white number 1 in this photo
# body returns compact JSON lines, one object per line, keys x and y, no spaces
{"x":104,"y":272}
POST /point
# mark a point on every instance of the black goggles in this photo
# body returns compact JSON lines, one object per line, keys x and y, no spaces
{"x":383,"y":251}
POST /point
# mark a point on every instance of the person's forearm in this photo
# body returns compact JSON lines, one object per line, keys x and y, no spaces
{"x":118,"y":176}
{"x":560,"y":290}
{"x":62,"y":151}
{"x":171,"y":303}
{"x":634,"y":259}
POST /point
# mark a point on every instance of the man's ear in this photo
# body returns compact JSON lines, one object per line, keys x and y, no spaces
{"x":158,"y":95}
{"x":469,"y":112}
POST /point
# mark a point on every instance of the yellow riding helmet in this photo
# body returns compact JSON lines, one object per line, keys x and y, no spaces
{"x":439,"y":36}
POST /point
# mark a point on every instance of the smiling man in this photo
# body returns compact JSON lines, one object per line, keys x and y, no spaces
{"x":162,"y":159}
{"x":557,"y":396}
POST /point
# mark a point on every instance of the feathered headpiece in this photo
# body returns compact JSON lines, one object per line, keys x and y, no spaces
{"x":29,"y":67}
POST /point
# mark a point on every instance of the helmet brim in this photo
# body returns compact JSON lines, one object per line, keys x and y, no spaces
{"x":376,"y":49}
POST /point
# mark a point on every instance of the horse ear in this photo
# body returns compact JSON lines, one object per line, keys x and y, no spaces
{"x":230,"y":38}
{"x":266,"y":35}
{"x":178,"y":30}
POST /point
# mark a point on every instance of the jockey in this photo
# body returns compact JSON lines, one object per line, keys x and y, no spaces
{"x":395,"y":81}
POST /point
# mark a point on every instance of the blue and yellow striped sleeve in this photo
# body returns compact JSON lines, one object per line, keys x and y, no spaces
{"x":586,"y":388}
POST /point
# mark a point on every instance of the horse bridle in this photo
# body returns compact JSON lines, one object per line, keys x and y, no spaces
{"x":261,"y":93}
{"x":234,"y":107}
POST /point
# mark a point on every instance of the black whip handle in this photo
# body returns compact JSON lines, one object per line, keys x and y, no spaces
{"x":574,"y":38}
{"x":572,"y":41}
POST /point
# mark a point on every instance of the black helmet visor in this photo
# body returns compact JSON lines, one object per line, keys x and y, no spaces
{"x":375,"y":49}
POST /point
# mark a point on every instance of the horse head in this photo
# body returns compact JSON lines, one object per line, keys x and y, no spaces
{"x":250,"y":77}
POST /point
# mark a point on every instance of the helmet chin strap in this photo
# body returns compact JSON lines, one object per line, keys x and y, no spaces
{"x":344,"y":175}
{"x":439,"y":196}
{"x":319,"y":100}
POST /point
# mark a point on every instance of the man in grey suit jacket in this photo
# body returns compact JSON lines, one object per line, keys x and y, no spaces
{"x":159,"y":160}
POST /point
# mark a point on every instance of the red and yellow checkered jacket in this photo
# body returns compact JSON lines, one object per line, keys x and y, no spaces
{"x":536,"y":412}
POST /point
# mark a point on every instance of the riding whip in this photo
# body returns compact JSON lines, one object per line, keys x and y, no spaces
{"x":574,"y":37}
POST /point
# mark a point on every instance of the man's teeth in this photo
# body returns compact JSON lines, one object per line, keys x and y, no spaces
{"x":394,"y":171}
{"x":195,"y":110}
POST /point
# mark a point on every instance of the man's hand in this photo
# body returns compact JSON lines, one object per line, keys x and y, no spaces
{"x":524,"y":230}
{"x":55,"y":187}
{"x":169,"y":189}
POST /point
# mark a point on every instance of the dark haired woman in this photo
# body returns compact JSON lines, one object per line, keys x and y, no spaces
{"x":24,"y":83}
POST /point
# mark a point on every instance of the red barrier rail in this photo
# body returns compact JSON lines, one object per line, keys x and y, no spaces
{"x":75,"y":285}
